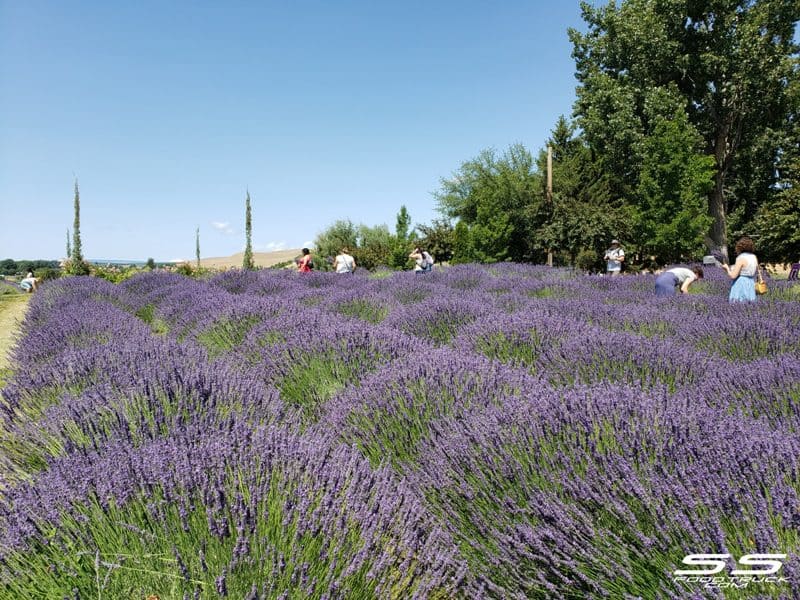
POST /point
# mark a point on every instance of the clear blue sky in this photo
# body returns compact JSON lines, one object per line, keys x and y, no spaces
{"x":167,"y":112}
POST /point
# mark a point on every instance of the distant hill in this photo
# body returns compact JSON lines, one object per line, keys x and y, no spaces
{"x":261,"y":259}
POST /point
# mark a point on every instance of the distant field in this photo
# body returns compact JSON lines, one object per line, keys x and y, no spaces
{"x":261,"y":259}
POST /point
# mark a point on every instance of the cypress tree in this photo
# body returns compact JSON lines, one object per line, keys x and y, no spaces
{"x":247,"y":262}
{"x":77,"y":251}
{"x":69,"y":246}
{"x":76,"y":264}
{"x":197,"y":246}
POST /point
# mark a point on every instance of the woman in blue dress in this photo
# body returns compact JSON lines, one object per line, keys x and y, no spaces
{"x":743,"y":272}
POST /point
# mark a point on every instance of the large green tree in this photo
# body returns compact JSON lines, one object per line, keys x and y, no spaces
{"x":582,"y":214}
{"x":777,"y":223}
{"x":437,"y":238}
{"x":371,"y":246}
{"x":402,"y":239}
{"x":671,"y":219}
{"x":375,"y":247}
{"x":731,"y":61}
{"x":462,"y":244}
{"x":328,"y":243}
{"x":493,"y":195}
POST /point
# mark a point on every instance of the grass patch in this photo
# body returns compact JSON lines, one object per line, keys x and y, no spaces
{"x":151,"y":546}
{"x":364,"y":310}
{"x":512,"y":348}
{"x":148,"y":314}
{"x":439,"y":327}
{"x":312,"y":300}
{"x":394,"y":435}
{"x":411,"y":295}
{"x":226,"y":334}
{"x":747,"y":347}
{"x":314,"y":380}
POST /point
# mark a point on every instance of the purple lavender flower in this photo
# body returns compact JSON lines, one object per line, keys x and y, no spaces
{"x":506,"y":431}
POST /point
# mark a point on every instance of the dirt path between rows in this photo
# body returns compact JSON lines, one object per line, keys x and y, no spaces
{"x":12,"y":312}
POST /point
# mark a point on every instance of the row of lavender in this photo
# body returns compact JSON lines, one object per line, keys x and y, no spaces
{"x":502,"y":431}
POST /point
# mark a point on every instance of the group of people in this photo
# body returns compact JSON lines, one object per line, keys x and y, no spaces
{"x":743,"y":272}
{"x":423,"y":261}
{"x":345,"y":263}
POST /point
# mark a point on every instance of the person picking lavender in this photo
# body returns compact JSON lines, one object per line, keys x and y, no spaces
{"x":668,"y":282}
{"x":743,"y":272}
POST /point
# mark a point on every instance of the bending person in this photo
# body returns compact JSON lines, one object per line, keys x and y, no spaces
{"x":668,"y":282}
{"x":29,"y":283}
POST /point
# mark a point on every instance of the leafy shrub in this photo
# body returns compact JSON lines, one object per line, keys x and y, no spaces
{"x":72,"y":267}
{"x":185,"y":269}
{"x":587,"y":260}
{"x":47,"y":273}
{"x":115,"y":274}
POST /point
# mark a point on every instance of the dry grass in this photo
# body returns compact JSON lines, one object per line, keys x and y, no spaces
{"x":777,"y":270}
{"x":12,"y":311}
{"x":261,"y":259}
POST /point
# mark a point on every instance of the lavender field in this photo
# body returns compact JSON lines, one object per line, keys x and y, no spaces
{"x":481,"y":432}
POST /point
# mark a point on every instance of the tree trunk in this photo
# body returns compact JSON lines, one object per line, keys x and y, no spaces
{"x":716,"y":200}
{"x":716,"y":208}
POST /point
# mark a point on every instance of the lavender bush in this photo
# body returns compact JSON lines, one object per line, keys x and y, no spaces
{"x":234,"y":513}
{"x":477,"y":432}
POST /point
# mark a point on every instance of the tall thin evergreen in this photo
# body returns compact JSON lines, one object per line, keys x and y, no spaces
{"x":247,"y":262}
{"x":76,"y":264}
{"x":77,"y":252}
{"x":69,"y":246}
{"x":197,"y":246}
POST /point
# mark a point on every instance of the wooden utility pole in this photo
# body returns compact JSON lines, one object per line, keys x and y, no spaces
{"x":549,"y":195}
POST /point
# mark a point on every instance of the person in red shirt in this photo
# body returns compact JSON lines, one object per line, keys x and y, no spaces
{"x":305,"y":264}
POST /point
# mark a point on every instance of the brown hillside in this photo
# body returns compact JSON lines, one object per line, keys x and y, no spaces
{"x":261,"y":259}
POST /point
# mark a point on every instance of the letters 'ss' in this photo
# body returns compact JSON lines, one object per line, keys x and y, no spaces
{"x":771,"y":562}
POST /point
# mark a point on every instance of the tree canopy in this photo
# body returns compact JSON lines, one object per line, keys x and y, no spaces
{"x":493,"y":196}
{"x":582,"y":213}
{"x":726,"y":64}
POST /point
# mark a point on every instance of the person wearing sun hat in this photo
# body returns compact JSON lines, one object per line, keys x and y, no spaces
{"x":615,"y":257}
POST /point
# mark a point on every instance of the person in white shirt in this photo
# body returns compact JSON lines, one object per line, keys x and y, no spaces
{"x":423,"y":261}
{"x":29,"y":283}
{"x":668,"y":282}
{"x":344,"y":262}
{"x":428,"y":260}
{"x":419,"y":261}
{"x":615,"y":257}
{"x":743,"y":272}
